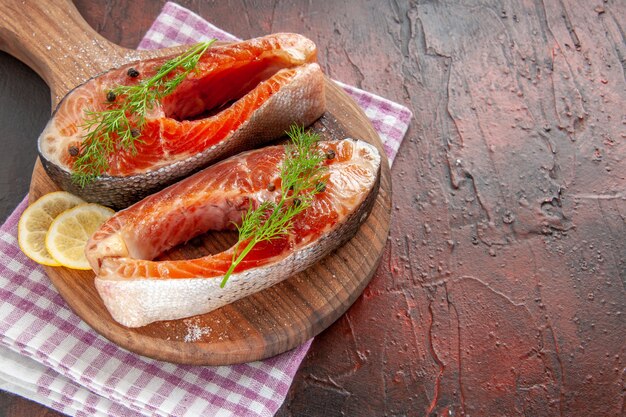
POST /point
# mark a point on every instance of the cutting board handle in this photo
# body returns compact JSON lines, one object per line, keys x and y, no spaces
{"x":52,"y":38}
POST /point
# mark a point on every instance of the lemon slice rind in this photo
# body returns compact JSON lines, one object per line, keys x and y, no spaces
{"x":70,"y":231}
{"x":36,"y":220}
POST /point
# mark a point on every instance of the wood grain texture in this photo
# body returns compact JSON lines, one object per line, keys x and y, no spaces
{"x":481,"y":305}
{"x":267,"y":323}
{"x":260,"y":326}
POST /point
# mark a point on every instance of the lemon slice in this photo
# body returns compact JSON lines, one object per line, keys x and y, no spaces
{"x":71,"y":230}
{"x":35,"y":222}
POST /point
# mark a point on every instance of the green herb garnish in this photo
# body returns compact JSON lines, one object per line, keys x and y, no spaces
{"x":119,"y":126}
{"x":301,"y":179}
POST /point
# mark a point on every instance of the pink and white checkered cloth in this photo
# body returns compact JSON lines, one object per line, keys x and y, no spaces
{"x":50,"y":355}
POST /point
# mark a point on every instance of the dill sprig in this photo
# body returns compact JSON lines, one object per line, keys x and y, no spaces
{"x":301,"y":176}
{"x":118,"y":127}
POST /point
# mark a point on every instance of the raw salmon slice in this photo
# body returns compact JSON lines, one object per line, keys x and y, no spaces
{"x":138,"y":290}
{"x":241,"y":96}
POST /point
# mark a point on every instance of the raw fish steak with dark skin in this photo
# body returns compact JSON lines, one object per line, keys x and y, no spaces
{"x":237,"y":97}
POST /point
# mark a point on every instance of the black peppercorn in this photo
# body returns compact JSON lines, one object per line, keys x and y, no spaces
{"x":296,"y":202}
{"x":271,"y":187}
{"x":134,"y":132}
{"x":111,"y":96}
{"x":132,"y":72}
{"x":73,"y":150}
{"x":320,"y":187}
{"x":330,"y":154}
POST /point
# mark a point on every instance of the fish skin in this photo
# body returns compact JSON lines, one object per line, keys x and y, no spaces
{"x":301,"y":102}
{"x":135,"y":302}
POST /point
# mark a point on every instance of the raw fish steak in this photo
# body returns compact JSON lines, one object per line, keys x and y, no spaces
{"x":238,"y":97}
{"x":138,"y":290}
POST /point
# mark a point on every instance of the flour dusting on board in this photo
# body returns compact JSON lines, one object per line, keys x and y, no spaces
{"x":195,"y":332}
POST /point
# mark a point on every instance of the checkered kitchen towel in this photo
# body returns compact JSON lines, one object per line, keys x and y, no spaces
{"x":49,"y":355}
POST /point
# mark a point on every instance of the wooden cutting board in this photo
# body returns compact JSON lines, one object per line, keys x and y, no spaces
{"x":53,"y":39}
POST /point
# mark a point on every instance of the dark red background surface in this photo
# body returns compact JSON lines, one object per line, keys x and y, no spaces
{"x":502,"y":288}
